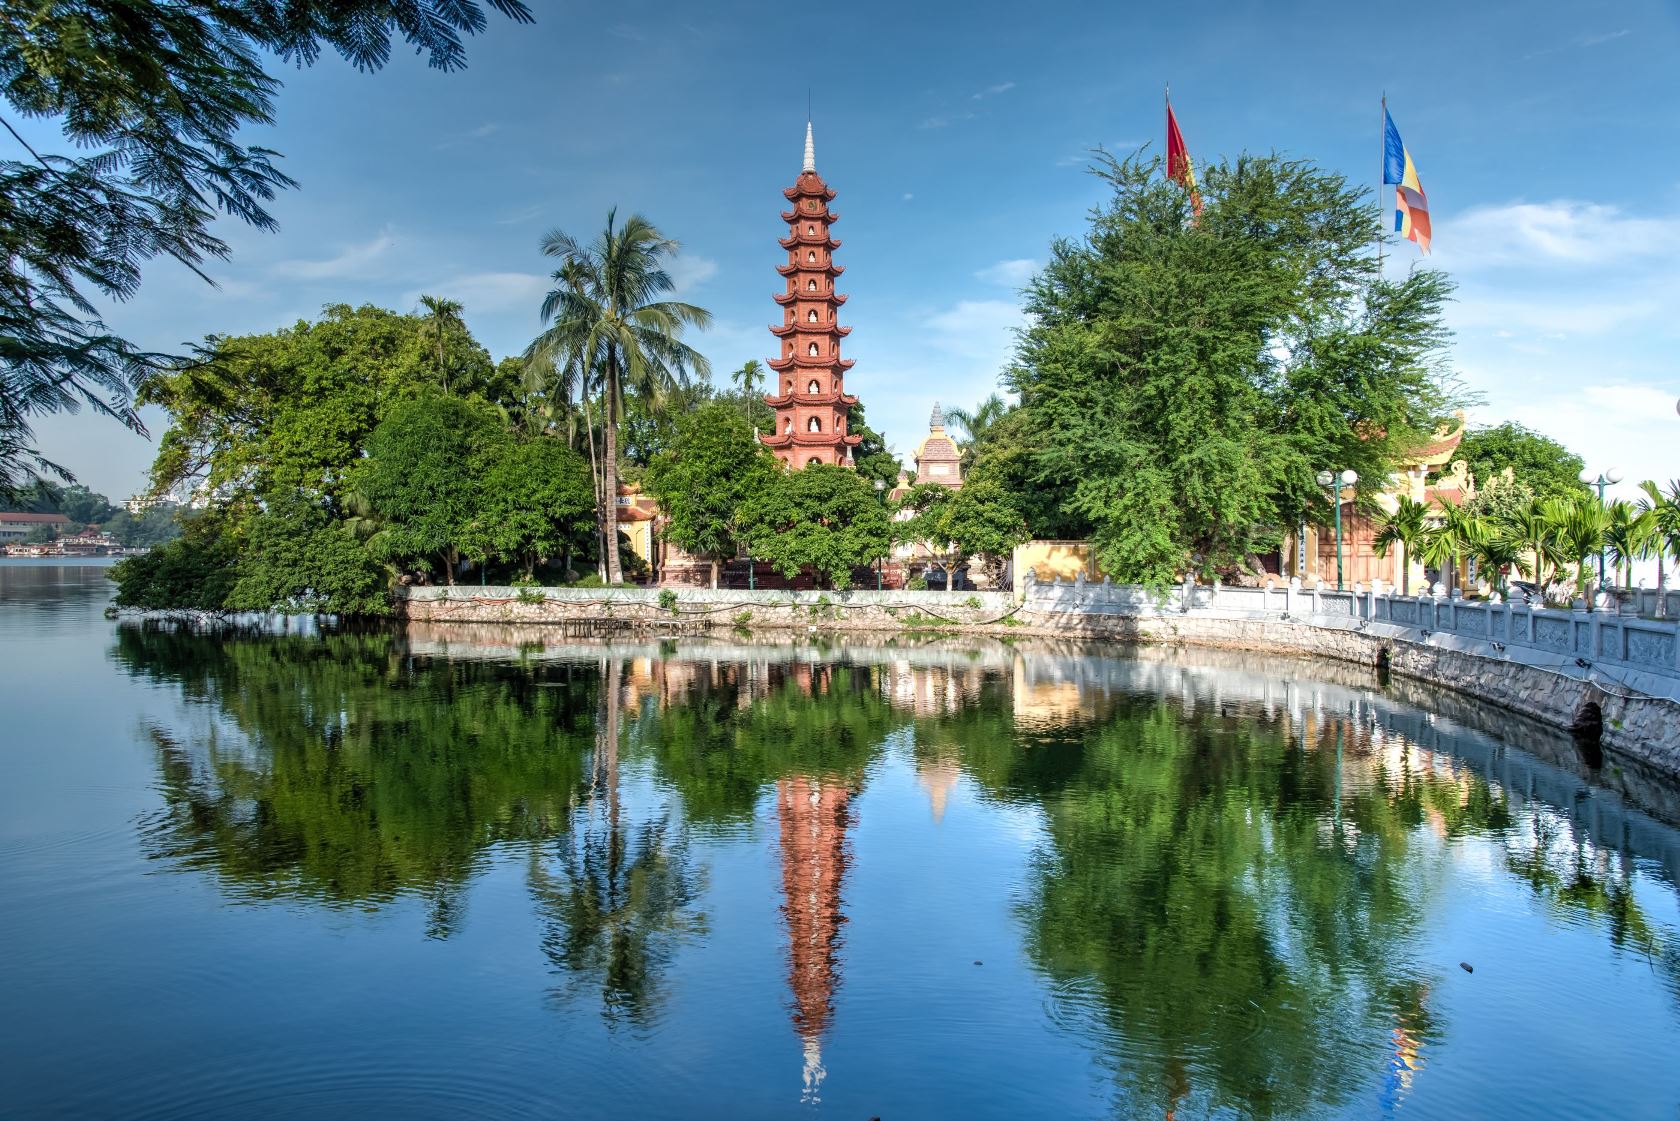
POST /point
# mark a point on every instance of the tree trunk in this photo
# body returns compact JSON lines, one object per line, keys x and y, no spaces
{"x":449,"y":567}
{"x":595,"y":484}
{"x":1405,"y":570}
{"x":609,"y":471}
{"x":714,"y":573}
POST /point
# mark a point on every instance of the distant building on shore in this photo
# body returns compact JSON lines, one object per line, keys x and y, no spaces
{"x":15,"y":527}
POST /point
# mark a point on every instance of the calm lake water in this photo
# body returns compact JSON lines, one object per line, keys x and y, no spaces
{"x":485,"y":872}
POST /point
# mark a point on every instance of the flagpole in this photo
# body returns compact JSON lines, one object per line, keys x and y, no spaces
{"x":1382,"y":178}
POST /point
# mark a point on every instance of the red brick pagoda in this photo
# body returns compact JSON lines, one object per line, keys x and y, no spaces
{"x":811,"y":403}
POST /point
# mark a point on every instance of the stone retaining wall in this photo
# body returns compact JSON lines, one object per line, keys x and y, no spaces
{"x":705,"y":608}
{"x":1640,"y":710}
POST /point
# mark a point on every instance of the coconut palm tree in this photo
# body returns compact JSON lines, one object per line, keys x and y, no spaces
{"x":1529,"y":525}
{"x":1664,"y":512}
{"x":1406,"y":527}
{"x":1578,"y":523}
{"x":978,"y":424}
{"x":1495,"y":549}
{"x":749,"y":377}
{"x":441,"y":321}
{"x":605,"y":309}
{"x":1626,"y":535}
{"x":1444,"y":543}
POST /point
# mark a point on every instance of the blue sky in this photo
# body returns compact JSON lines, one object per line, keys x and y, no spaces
{"x":1545,"y":135}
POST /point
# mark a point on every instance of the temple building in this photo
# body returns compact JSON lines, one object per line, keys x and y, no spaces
{"x":811,"y":403}
{"x":938,"y":460}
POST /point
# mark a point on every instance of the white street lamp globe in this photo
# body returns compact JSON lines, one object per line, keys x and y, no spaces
{"x":1614,"y":475}
{"x":1325,"y":478}
{"x":1350,"y":476}
{"x":1586,"y":477}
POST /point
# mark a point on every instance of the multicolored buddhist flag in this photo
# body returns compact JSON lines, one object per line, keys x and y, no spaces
{"x":1411,"y":207}
{"x":1180,"y":168}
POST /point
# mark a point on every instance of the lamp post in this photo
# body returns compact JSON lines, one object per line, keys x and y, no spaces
{"x":1605,"y":478}
{"x":1338,"y":480}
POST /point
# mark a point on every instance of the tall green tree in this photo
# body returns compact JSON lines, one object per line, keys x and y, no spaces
{"x":823,"y":517}
{"x":1184,"y":381}
{"x":1627,"y":533}
{"x":1664,"y":511}
{"x":977,"y":424}
{"x":750,"y":379}
{"x":605,"y":308}
{"x":1405,"y":527}
{"x":1539,"y":462}
{"x":536,"y":501}
{"x":440,"y":325}
{"x":705,"y":479}
{"x":1578,"y":524}
{"x":298,"y":558}
{"x":155,"y":98}
{"x":425,"y":478}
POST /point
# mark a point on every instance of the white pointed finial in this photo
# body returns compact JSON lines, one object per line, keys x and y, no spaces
{"x":810,"y":149}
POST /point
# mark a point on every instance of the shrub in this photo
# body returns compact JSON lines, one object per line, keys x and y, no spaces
{"x":742,"y":619}
{"x":974,"y":602}
{"x":668,"y":600}
{"x":531,"y":595}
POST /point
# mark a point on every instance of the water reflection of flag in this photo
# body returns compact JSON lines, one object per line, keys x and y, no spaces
{"x":1411,"y":206}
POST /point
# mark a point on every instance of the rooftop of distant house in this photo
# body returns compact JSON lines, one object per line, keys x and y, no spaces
{"x":33,"y":519}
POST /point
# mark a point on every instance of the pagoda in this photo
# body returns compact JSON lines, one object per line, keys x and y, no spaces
{"x":811,"y":403}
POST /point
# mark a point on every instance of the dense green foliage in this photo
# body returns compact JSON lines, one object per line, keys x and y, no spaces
{"x":1540,"y":463}
{"x":705,"y":479}
{"x":1184,"y":381}
{"x":824,"y":517}
{"x":194,"y":572}
{"x":154,"y":97}
{"x":298,"y":558}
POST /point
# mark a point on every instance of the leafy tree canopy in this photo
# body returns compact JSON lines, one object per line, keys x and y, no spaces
{"x":1540,"y":463}
{"x":537,"y":500}
{"x":704,"y":480}
{"x":1184,"y":380}
{"x":824,"y":516}
{"x":153,"y":96}
{"x":424,"y":479}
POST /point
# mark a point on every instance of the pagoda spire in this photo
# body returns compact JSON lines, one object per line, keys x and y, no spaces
{"x":813,"y":409}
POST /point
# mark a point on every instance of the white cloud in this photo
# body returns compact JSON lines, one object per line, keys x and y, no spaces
{"x":1607,"y":37}
{"x":1560,"y":233}
{"x":523,"y":214}
{"x":364,"y":260}
{"x":482,"y":293}
{"x":979,"y":329}
{"x":1012,"y":274}
{"x":689,"y":273}
{"x":1630,"y":426}
{"x":993,"y":91}
{"x":908,"y":196}
{"x":1546,"y":313}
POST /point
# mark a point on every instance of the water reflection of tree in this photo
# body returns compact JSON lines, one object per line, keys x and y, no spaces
{"x":1243,"y":925}
{"x":339,"y":771}
{"x":617,"y":898}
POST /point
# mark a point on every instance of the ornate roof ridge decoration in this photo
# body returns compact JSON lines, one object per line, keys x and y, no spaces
{"x":783,"y":330}
{"x":811,"y":440}
{"x":785,"y":298}
{"x":837,"y":397}
{"x":806,"y":361}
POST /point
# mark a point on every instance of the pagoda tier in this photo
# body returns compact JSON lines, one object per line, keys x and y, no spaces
{"x":811,"y":362}
{"x":777,"y":401}
{"x":812,"y":407}
{"x":790,"y":327}
{"x":809,"y":440}
{"x":830,"y":243}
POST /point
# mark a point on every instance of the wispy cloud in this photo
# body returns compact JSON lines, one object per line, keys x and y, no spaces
{"x":360,"y":261}
{"x":993,"y":91}
{"x":488,"y":128}
{"x":488,"y":293}
{"x":983,"y":330}
{"x":1012,"y":273}
{"x":1606,"y":37}
{"x":523,"y":214}
{"x":689,"y":273}
{"x":908,"y":195}
{"x":1561,"y":233}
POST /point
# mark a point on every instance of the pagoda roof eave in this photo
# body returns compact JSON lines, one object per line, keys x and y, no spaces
{"x":829,"y":216}
{"x":796,"y":191}
{"x":785,"y":298}
{"x":831,"y":270}
{"x":805,"y":239}
{"x":783,"y":330}
{"x":809,"y":440}
{"x":805,"y":361}
{"x":785,"y":399}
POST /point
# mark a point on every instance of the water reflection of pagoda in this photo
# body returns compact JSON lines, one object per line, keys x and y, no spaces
{"x":814,"y":816}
